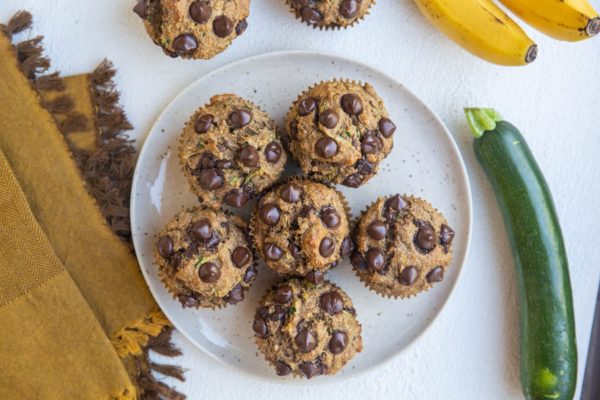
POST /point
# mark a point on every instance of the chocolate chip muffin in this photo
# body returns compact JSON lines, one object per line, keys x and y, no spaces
{"x":193,"y":29}
{"x":340,"y":131}
{"x":330,"y":13}
{"x":301,"y":228}
{"x":204,"y":258}
{"x":230,"y":151}
{"x":307,"y":329}
{"x":403,"y":246}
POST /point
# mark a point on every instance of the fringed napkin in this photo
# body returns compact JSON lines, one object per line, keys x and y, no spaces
{"x":69,"y":282}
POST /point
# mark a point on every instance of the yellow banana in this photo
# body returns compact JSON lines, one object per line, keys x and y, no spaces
{"x":482,"y":28}
{"x":570,"y":20}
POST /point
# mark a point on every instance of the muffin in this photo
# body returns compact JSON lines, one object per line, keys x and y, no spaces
{"x":330,"y":13}
{"x":402,"y":246}
{"x":301,"y":228}
{"x":204,"y":258}
{"x":307,"y":329}
{"x":193,"y":29}
{"x":340,"y":131}
{"x":230,"y":151}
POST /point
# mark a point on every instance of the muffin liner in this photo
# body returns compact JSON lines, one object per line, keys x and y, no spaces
{"x":329,"y":27}
{"x":297,"y":178}
{"x":241,"y":224}
{"x":364,"y":277}
{"x":220,"y":204}
{"x":295,"y":373}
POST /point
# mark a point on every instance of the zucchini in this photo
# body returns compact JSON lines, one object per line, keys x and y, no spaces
{"x":548,"y":346}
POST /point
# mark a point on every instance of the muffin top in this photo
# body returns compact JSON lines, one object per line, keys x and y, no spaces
{"x":340,"y":131}
{"x":230,"y":151}
{"x":402,"y":246}
{"x":204,"y":258}
{"x":307,"y":329}
{"x":193,"y":29}
{"x":330,"y":13}
{"x":301,"y":228}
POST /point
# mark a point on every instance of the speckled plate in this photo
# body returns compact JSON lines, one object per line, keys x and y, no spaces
{"x":425,"y":162}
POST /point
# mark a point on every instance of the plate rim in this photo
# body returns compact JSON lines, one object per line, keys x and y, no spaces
{"x":330,"y":56}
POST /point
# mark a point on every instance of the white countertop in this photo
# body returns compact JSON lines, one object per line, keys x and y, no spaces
{"x":471,"y":351}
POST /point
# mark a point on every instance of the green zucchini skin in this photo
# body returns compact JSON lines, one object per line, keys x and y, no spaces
{"x":548,"y":346}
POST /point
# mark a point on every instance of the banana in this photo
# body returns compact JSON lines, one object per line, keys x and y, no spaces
{"x":482,"y":28}
{"x":570,"y":20}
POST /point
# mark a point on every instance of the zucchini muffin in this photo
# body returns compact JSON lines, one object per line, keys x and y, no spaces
{"x":330,"y":13}
{"x":340,"y":131}
{"x":307,"y":329}
{"x":205,"y":259}
{"x":403,"y":246}
{"x":193,"y":28}
{"x":301,"y":228}
{"x":230,"y":151}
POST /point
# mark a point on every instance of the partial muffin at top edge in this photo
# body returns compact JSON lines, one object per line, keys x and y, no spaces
{"x":230,"y":151}
{"x":330,"y":14}
{"x":340,"y":131}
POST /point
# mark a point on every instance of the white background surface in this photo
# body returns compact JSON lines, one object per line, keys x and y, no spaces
{"x":471,"y":352}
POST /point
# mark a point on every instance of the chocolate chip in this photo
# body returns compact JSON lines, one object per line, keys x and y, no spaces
{"x":396,"y":202}
{"x":306,"y":340}
{"x":224,"y":164}
{"x":207,"y":160}
{"x":346,"y":247}
{"x":141,"y":10}
{"x":290,"y":192}
{"x":269,"y":213}
{"x":260,"y":327}
{"x":408,"y":276}
{"x":240,"y":256}
{"x":446,"y":234}
{"x":241,"y":27}
{"x":272,"y":252}
{"x":376,"y":230}
{"x":212,"y":242}
{"x":338,"y":342}
{"x":306,"y":106}
{"x":165,"y":246}
{"x":435,"y":275}
{"x":263,"y":312}
{"x":188,"y":301}
{"x":278,"y":314}
{"x":330,"y":217}
{"x":200,"y":11}
{"x":370,"y":143}
{"x":310,"y":15}
{"x":192,"y":249}
{"x":209,"y":272}
{"x":425,"y":238}
{"x":210,"y":179}
{"x":353,"y":180}
{"x":250,"y":274}
{"x":203,"y":123}
{"x":326,"y":147}
{"x":235,"y":295}
{"x":328,"y":118}
{"x":236,"y":198}
{"x":249,"y":156}
{"x":283,"y":294}
{"x":358,"y":261}
{"x":282,"y":369}
{"x":309,"y":369}
{"x":327,"y":247}
{"x":386,"y":127}
{"x":349,"y":8}
{"x":375,"y":260}
{"x":273,"y":152}
{"x":315,"y":277}
{"x":185,"y":44}
{"x":352,"y":104}
{"x":200,"y":230}
{"x":175,"y":259}
{"x":240,"y":118}
{"x":365,"y":167}
{"x":332,"y":302}
{"x":305,"y":211}
{"x":222,"y":26}
{"x":300,"y":3}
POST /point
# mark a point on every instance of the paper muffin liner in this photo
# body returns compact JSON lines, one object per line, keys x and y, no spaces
{"x":195,"y":189}
{"x":329,"y":27}
{"x":300,"y":179}
{"x":363,"y":277}
{"x":164,"y":278}
{"x":298,"y":374}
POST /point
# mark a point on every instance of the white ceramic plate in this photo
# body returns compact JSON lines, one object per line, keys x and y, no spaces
{"x":425,"y":161}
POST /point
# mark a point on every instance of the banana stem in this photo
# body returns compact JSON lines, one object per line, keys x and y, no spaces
{"x":481,"y":120}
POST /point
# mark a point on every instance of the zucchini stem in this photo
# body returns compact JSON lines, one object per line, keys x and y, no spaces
{"x":481,"y":120}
